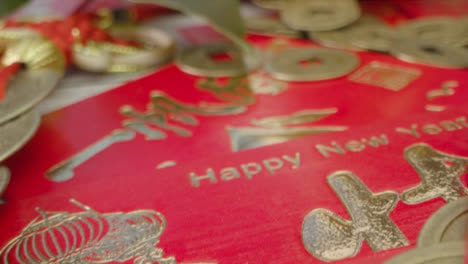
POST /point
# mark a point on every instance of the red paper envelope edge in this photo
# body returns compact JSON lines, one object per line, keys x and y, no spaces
{"x":237,"y":219}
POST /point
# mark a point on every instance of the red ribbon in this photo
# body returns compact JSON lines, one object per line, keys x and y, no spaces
{"x":6,"y":74}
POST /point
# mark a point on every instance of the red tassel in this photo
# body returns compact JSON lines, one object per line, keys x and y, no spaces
{"x":6,"y":74}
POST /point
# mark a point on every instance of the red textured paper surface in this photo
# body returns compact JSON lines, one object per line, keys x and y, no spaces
{"x":240,"y":221}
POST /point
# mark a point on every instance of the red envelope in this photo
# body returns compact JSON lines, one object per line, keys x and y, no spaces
{"x":278,"y":180}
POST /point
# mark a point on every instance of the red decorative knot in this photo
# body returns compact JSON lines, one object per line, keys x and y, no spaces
{"x":78,"y":28}
{"x":64,"y":33}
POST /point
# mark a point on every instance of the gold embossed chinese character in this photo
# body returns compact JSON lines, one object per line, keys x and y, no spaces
{"x":329,"y":237}
{"x":439,"y":172}
{"x":163,"y":109}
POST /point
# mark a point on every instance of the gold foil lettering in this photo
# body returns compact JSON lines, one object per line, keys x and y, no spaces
{"x":432,"y":129}
{"x":447,"y":89}
{"x":235,"y":90}
{"x":296,"y":161}
{"x":230,"y":173}
{"x":336,"y":148}
{"x":166,"y":164}
{"x":376,"y":142}
{"x":435,"y":108}
{"x":250,"y":169}
{"x":439,"y":172}
{"x":450,"y":125}
{"x":355,"y":146}
{"x":329,"y":237}
{"x":412,"y":132}
{"x":210,"y":175}
{"x":150,"y":134}
{"x":273,"y":164}
{"x":462,"y":121}
{"x":65,"y":170}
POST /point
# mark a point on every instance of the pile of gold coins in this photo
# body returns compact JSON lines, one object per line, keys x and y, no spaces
{"x":435,"y":41}
{"x":442,"y":239}
{"x":43,"y":67}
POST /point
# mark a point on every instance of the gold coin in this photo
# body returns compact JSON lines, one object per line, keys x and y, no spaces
{"x":272,"y":4}
{"x":15,"y":133}
{"x":449,"y":223}
{"x":445,"y":253}
{"x":445,"y":30}
{"x":320,"y":15}
{"x":430,"y":53}
{"x":45,"y":66}
{"x":26,"y":90}
{"x":217,"y":60}
{"x":374,"y":37}
{"x":269,"y":26}
{"x":341,"y":38}
{"x":310,"y":64}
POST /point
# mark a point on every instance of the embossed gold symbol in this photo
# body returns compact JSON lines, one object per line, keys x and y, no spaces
{"x":447,"y":89}
{"x":65,"y":170}
{"x":166,"y":164}
{"x":329,"y":237}
{"x":89,"y":237}
{"x":235,"y":89}
{"x":164,"y":109}
{"x":435,"y":108}
{"x":439,"y":172}
{"x":151,"y":123}
{"x":390,"y":77}
{"x":278,"y":129}
{"x":241,"y":90}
